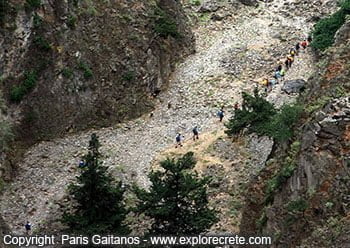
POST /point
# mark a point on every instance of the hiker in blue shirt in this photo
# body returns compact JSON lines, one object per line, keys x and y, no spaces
{"x":221,"y":114}
{"x":195,"y":133}
{"x":178,"y":140}
{"x":28,"y":227}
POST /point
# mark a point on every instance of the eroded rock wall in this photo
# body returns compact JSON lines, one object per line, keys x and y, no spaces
{"x":311,"y":206}
{"x":95,"y":62}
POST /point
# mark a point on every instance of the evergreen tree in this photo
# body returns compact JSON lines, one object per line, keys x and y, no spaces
{"x":177,"y":200}
{"x":254,"y":115}
{"x":99,"y":204}
{"x":260,"y":116}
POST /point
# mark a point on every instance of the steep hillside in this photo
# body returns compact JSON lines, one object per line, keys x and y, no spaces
{"x":236,"y":46}
{"x":69,"y":65}
{"x":303,"y":194}
{"x":98,"y":62}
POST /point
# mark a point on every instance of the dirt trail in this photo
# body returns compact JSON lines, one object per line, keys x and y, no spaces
{"x":240,"y":50}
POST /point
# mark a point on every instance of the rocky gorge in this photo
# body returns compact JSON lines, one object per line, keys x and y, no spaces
{"x":226,"y":47}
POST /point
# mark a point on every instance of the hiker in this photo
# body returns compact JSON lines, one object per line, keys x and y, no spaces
{"x":279,"y":68}
{"x":195,"y":133}
{"x":277,"y":76}
{"x":290,"y":60}
{"x":297,"y":48}
{"x":286,"y":63}
{"x":265,"y":83}
{"x":304,"y":44}
{"x":221,"y":114}
{"x":292,"y":52}
{"x":81,"y":164}
{"x":282,"y":73}
{"x":28,"y":227}
{"x":178,"y":140}
{"x":272,"y":83}
{"x":236,"y":106}
{"x":309,"y":39}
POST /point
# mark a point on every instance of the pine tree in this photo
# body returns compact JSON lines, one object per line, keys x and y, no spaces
{"x":260,"y":116}
{"x":256,"y":112}
{"x":99,"y":204}
{"x":177,"y":200}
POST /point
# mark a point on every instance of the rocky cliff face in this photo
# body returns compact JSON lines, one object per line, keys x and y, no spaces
{"x":311,"y":206}
{"x":68,"y":65}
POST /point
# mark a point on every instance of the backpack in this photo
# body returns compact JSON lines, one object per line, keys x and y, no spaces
{"x":277,"y":74}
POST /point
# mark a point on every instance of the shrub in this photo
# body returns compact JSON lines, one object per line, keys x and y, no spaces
{"x":30,"y":80}
{"x":326,"y":28}
{"x":261,"y":222}
{"x":128,"y":76}
{"x":42,"y":43}
{"x":3,"y":10}
{"x":280,"y":128}
{"x":71,"y":21}
{"x":37,"y":21}
{"x":165,"y":25}
{"x":6,"y":134}
{"x":287,"y":170}
{"x":67,"y":72}
{"x":18,"y":92}
{"x":32,"y":4}
{"x":299,"y":205}
{"x":195,"y":2}
{"x":86,"y":70}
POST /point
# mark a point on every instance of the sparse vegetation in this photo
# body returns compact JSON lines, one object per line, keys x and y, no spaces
{"x":326,"y":28}
{"x":280,"y":127}
{"x":71,"y":21}
{"x":37,"y":21}
{"x":165,"y":25}
{"x":32,"y":4}
{"x":42,"y":43}
{"x":261,"y":222}
{"x":67,"y":72}
{"x":285,"y":172}
{"x":195,"y":2}
{"x":296,"y":206}
{"x":128,"y":76}
{"x":6,"y":134}
{"x":3,"y":10}
{"x":86,"y":70}
{"x":18,"y":92}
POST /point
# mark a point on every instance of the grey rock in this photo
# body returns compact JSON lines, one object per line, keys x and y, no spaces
{"x":343,"y":33}
{"x":209,"y":6}
{"x":249,"y":2}
{"x":294,"y":86}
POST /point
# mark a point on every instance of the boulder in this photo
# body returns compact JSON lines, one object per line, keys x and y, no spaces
{"x":208,"y":6}
{"x":294,"y":86}
{"x":249,"y":2}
